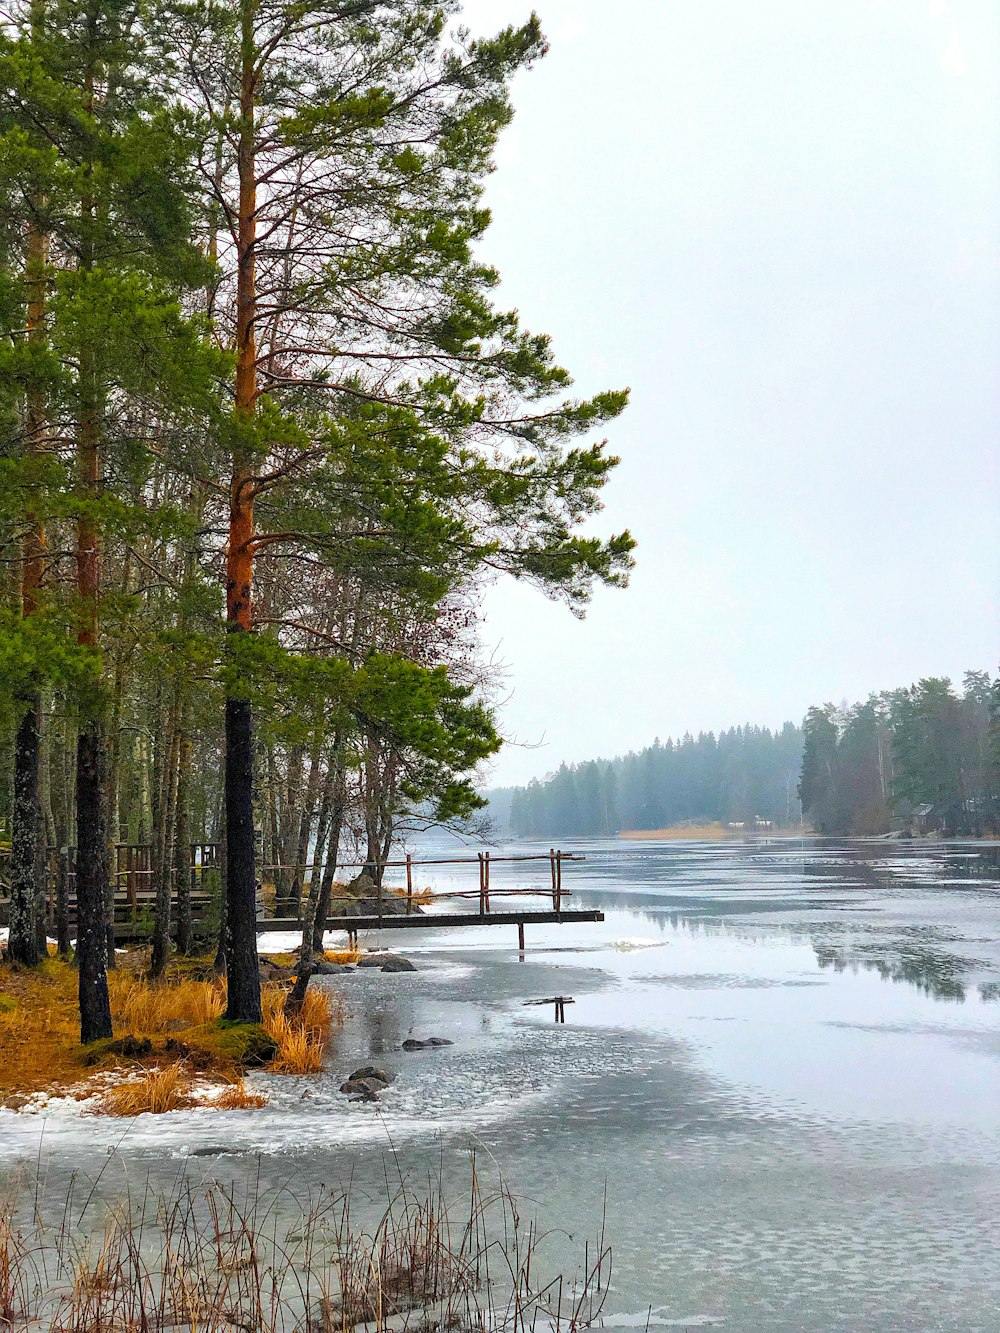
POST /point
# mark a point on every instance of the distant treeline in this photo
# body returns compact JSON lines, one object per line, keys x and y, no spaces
{"x":917,"y":759}
{"x":740,"y":775}
{"x":922,"y":759}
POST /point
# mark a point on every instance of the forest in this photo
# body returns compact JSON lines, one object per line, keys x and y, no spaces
{"x":743,"y":774}
{"x":920,"y":759}
{"x":265,"y":435}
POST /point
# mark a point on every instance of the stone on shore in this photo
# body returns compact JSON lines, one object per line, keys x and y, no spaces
{"x":370,"y":1072}
{"x":395,"y":963}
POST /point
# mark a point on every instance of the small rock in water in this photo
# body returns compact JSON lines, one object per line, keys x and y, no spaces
{"x":378,"y":959}
{"x":362,"y":1089}
{"x":394,"y":963}
{"x":412,"y":1044}
{"x":372,"y":1072}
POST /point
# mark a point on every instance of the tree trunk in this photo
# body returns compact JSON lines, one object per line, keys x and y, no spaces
{"x":91,"y":844}
{"x":287,"y":905}
{"x":91,"y":879}
{"x":182,"y":842}
{"x":27,"y":932}
{"x":305,"y":828}
{"x":242,"y":969}
{"x":163,"y":860}
{"x":25,"y":842}
{"x":317,"y":925}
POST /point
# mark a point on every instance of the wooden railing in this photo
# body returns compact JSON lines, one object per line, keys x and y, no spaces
{"x":134,"y":890}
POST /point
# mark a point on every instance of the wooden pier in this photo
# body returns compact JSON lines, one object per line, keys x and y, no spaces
{"x":396,"y":907}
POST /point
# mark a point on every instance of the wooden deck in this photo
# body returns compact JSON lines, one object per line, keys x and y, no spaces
{"x":439,"y":920}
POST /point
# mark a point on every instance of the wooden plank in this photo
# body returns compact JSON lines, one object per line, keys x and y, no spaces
{"x":437,"y":920}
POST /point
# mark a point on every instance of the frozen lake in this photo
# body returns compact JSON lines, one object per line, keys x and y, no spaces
{"x":782,"y":1064}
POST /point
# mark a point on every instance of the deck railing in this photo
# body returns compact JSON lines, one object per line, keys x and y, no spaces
{"x":134,"y":891}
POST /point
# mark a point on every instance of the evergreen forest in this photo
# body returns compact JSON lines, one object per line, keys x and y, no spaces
{"x":919,"y":759}
{"x":741,"y":775}
{"x":264,"y":435}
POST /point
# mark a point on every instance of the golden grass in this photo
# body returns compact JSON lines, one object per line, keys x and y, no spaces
{"x":342,"y":956}
{"x":420,"y":896}
{"x":156,"y":1091}
{"x":300,"y":1049}
{"x":238,"y":1097}
{"x":714,"y":832}
{"x":40,"y":1034}
{"x":301,"y":1040}
{"x":39,"y":1028}
{"x":169,"y":1005}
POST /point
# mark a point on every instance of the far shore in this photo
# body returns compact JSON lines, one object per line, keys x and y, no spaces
{"x":687,"y":833}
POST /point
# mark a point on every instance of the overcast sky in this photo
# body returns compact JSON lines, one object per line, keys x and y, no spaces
{"x":778,"y":221}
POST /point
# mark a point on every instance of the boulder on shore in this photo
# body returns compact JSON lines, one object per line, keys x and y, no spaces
{"x":396,"y":963}
{"x":413,"y":1044}
{"x":371,"y":1072}
{"x":362,"y":1089}
{"x":376,"y":959}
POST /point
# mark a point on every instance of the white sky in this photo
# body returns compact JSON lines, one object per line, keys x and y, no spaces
{"x":779,"y":222}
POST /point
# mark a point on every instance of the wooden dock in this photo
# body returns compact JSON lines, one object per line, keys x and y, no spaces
{"x":134,"y":898}
{"x":439,"y":920}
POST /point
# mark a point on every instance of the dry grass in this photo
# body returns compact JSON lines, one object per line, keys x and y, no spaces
{"x":166,"y":1006}
{"x":342,"y":956}
{"x":213,"y":1257}
{"x":155,"y":1091}
{"x":300,"y":1049}
{"x":420,"y":896}
{"x":683,"y":833}
{"x":39,"y":1029}
{"x":302,"y":1040}
{"x":238,"y":1097}
{"x":40,"y":1034}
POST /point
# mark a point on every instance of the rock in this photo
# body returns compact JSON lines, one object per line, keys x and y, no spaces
{"x":272,"y":971}
{"x":362,"y":1089}
{"x":412,"y":1044}
{"x":378,"y":959}
{"x":130,"y":1046}
{"x":176,"y":1025}
{"x":396,"y":964}
{"x":366,"y":900}
{"x":326,"y":969}
{"x":370,"y":1072}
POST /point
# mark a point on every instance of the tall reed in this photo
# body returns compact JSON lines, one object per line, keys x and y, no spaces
{"x":214,"y":1257}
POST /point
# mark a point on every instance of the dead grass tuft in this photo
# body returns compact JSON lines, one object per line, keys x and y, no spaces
{"x":300,"y":1049}
{"x":301,"y":1040}
{"x":238,"y":1097}
{"x":157,"y":1007}
{"x":40,"y":1033}
{"x":155,"y":1091}
{"x":342,"y":956}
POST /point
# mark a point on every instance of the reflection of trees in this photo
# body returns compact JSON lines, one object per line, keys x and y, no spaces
{"x":938,"y":975}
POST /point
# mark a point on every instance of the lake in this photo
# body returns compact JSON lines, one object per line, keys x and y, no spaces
{"x":781,"y":1069}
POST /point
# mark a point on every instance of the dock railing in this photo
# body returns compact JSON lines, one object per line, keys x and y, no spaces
{"x":134,"y":890}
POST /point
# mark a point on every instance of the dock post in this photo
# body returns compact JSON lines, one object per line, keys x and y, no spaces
{"x":482,"y":885}
{"x":486,"y":881}
{"x":559,"y":881}
{"x":409,"y":883}
{"x":520,"y":937}
{"x":552,"y":868}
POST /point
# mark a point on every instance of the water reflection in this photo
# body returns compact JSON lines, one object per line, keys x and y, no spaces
{"x":934,"y":974}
